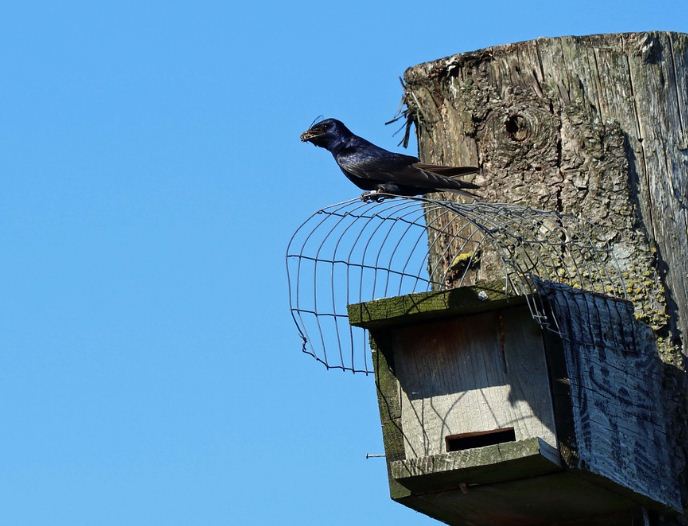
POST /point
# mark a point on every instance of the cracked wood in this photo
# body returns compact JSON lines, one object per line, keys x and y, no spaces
{"x":594,"y":126}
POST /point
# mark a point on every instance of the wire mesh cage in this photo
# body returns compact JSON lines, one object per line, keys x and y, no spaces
{"x":356,"y":251}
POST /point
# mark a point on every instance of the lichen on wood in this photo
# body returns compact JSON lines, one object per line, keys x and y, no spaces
{"x":593,"y":126}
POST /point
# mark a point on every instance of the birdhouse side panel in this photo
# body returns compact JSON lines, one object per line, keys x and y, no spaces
{"x":615,"y":378}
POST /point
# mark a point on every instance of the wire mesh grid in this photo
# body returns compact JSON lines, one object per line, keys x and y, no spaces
{"x":357,"y":251}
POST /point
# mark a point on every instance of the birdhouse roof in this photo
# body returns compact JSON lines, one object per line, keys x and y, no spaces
{"x":425,"y":306}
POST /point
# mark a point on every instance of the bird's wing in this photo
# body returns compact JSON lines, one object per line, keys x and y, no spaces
{"x":405,"y":170}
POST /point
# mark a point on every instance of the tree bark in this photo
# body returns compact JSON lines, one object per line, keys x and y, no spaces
{"x":592,"y":126}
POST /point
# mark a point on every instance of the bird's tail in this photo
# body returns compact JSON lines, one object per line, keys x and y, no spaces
{"x":448,"y":171}
{"x":463,"y":192}
{"x":446,"y":178}
{"x":450,"y":184}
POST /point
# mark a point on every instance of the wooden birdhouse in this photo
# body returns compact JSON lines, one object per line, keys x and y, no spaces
{"x":491,"y":418}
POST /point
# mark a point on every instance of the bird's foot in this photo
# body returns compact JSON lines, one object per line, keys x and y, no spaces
{"x":372,"y":196}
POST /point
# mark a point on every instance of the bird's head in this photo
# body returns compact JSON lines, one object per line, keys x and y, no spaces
{"x":328,"y":133}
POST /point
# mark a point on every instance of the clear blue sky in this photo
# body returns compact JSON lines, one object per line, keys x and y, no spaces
{"x":151,"y":178}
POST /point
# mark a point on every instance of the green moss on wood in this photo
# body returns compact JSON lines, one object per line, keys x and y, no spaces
{"x":390,"y":415}
{"x":413,"y":308}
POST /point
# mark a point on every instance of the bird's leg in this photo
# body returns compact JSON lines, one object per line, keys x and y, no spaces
{"x":373,"y":195}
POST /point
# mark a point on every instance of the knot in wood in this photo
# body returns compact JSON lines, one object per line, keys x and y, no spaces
{"x":520,"y":135}
{"x":517,"y":127}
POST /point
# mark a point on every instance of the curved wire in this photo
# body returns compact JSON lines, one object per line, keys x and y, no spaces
{"x":352,"y":251}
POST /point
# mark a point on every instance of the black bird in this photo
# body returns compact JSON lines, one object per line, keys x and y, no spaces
{"x":380,"y":171}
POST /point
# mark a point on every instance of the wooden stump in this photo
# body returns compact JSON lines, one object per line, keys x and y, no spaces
{"x":593,"y":126}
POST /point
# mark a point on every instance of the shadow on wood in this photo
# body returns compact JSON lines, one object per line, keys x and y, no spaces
{"x":588,"y":432}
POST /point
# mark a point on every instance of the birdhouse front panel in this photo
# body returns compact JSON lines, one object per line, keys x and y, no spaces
{"x":472,"y":381}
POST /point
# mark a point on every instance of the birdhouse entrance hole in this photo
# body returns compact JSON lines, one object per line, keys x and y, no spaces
{"x":480,"y":439}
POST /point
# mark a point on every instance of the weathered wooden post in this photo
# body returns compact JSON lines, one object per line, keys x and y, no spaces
{"x":595,"y":126}
{"x":592,"y":126}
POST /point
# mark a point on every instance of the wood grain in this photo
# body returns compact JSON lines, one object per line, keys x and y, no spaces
{"x":531,"y":457}
{"x":472,"y":373}
{"x":595,"y":126}
{"x":614,"y":374}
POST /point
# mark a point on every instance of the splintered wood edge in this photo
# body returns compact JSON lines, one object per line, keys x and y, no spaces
{"x":430,"y":305}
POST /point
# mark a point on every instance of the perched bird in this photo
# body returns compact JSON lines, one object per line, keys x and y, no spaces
{"x":380,"y":171}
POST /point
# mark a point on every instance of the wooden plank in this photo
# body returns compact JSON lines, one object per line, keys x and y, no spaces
{"x":614,"y":376}
{"x":387,"y":388}
{"x":529,"y":399}
{"x":485,"y":465}
{"x":413,"y":308}
{"x":560,"y":387}
{"x":561,"y":498}
{"x":474,"y":373}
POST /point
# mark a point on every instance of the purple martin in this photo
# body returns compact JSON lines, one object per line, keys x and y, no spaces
{"x":379,"y":171}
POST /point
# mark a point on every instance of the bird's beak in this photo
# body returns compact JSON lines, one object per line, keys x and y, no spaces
{"x":308,"y":135}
